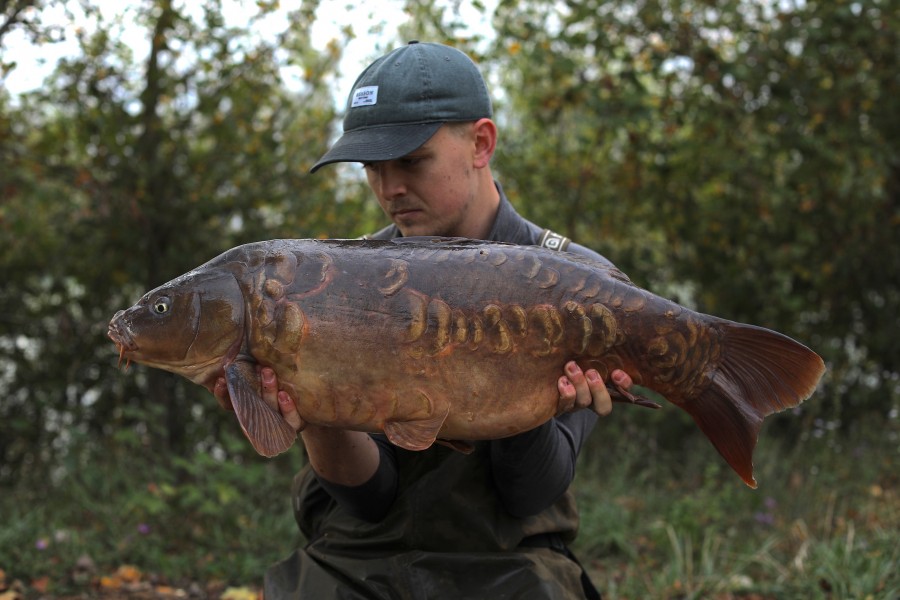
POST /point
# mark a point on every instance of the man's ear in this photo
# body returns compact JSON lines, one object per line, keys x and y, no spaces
{"x":485,"y":142}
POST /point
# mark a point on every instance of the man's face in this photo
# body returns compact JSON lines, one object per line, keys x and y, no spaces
{"x":431,"y":190}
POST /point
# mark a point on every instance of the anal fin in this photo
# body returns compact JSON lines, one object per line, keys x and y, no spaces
{"x":416,"y":434}
{"x":461,"y":446}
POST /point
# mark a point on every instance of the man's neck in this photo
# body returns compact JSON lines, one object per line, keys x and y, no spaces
{"x":484,"y":211}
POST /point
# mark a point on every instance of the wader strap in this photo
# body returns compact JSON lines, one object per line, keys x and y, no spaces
{"x":553,"y":241}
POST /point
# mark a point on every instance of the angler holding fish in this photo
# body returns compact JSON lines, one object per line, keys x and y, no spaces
{"x":423,"y":373}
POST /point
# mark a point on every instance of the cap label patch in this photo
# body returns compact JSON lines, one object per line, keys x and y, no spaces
{"x":365,"y":96}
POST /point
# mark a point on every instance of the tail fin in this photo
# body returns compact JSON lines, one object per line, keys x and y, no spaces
{"x":761,"y":372}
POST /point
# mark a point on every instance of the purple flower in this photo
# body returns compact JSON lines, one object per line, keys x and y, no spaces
{"x":41,"y":544}
{"x":143,"y":528}
{"x":764,"y":518}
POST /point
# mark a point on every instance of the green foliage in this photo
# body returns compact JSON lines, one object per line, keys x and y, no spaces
{"x":192,"y":519}
{"x":656,"y":522}
{"x":114,"y":183}
{"x":737,"y":156}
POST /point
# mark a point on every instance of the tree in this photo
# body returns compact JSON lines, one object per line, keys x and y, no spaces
{"x":734,"y":155}
{"x":124,"y":172}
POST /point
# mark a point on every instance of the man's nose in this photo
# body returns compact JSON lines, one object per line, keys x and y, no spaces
{"x":392,"y":183}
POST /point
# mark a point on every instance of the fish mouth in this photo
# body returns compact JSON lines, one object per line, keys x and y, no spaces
{"x":120,"y":335}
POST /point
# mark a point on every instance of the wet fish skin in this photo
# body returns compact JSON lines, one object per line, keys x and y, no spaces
{"x":429,"y":339}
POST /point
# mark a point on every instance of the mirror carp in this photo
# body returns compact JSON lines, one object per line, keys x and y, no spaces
{"x":431,"y":339}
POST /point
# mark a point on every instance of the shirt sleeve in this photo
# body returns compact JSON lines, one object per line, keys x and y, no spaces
{"x":533,"y":469}
{"x":371,"y":500}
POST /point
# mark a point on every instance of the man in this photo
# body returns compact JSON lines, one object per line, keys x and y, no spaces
{"x":383,"y":522}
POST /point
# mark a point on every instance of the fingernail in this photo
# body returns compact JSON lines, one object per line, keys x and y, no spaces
{"x":593,"y":376}
{"x":572,"y":368}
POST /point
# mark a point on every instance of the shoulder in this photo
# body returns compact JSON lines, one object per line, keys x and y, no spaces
{"x":388,"y":233}
{"x":588,"y":253}
{"x":513,"y":228}
{"x":533,"y":235}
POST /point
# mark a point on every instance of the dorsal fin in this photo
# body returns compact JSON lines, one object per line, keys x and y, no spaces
{"x":430,"y":240}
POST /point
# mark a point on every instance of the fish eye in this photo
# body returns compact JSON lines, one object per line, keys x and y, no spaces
{"x":161,"y":305}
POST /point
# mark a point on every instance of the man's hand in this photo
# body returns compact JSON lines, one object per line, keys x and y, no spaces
{"x":270,"y":394}
{"x":341,"y":456}
{"x":344,"y":457}
{"x":582,"y":390}
{"x":220,"y":391}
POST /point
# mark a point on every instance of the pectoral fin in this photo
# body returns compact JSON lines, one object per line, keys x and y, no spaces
{"x":269,"y":433}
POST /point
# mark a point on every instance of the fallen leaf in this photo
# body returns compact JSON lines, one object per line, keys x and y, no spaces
{"x":10,"y":591}
{"x":110,"y":583}
{"x":129,"y":573}
{"x":169,"y":592}
{"x":41,"y":584}
{"x":239,"y":593}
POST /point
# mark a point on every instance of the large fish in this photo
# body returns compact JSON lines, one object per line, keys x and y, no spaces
{"x":446,"y":339}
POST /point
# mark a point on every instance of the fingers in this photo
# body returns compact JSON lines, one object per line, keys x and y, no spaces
{"x":275,"y":397}
{"x":621,"y":379}
{"x":578,"y":393}
{"x":289,"y":412}
{"x":269,"y":386}
{"x":270,"y":394}
{"x":601,"y":402}
{"x":567,"y":395}
{"x":220,"y":391}
{"x":578,"y":389}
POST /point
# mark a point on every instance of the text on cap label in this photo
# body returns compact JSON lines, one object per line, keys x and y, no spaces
{"x":365,"y":96}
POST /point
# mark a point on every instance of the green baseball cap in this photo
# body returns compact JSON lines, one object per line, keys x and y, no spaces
{"x":403,"y":98}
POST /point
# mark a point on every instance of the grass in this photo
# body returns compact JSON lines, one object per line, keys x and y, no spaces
{"x":178,"y":524}
{"x":824,"y":522}
{"x":661,"y":518}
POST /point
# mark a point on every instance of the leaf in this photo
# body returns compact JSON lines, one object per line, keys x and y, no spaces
{"x":110,"y":583}
{"x":41,"y":584}
{"x":240,"y":593}
{"x":129,"y":573}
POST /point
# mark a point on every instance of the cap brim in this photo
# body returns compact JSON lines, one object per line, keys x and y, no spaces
{"x":378,"y":143}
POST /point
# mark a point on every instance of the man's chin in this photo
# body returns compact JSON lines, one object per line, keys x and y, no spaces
{"x":419,"y":231}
